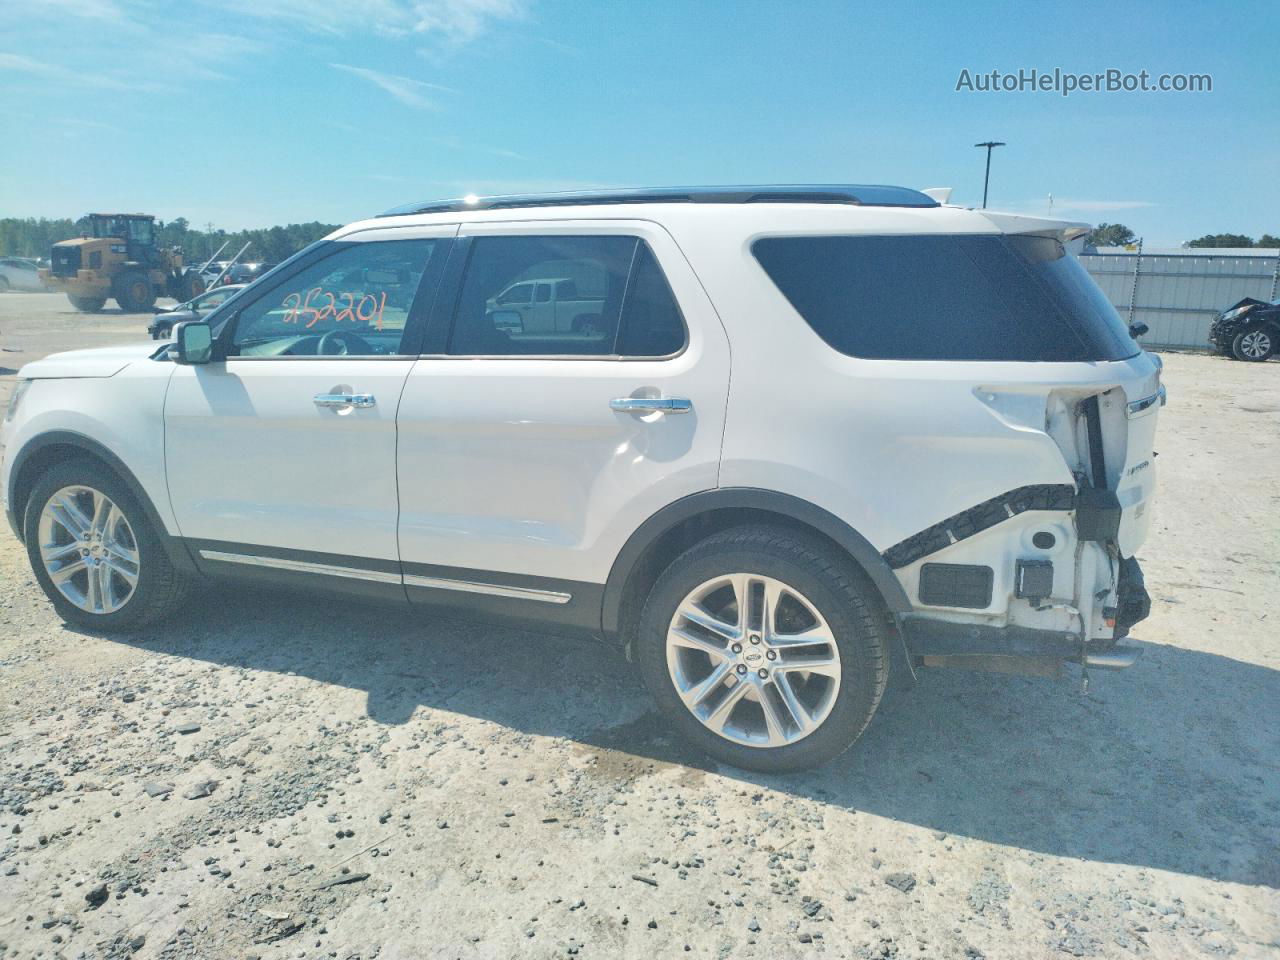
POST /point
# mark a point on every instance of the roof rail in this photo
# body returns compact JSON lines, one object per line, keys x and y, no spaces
{"x":867,"y":195}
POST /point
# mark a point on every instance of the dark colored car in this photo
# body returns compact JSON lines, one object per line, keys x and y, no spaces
{"x":197,"y":308}
{"x":1248,"y":330}
{"x":244,"y":273}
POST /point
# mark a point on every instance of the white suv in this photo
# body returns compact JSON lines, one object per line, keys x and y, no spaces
{"x":799,"y":430}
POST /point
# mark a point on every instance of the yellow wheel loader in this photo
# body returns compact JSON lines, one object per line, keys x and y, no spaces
{"x":117,"y":258}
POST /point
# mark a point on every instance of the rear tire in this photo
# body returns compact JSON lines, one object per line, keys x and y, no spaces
{"x":134,"y":293}
{"x":784,"y":718}
{"x":1254,"y":344}
{"x":4,"y":284}
{"x":87,"y":304}
{"x":111,"y":570}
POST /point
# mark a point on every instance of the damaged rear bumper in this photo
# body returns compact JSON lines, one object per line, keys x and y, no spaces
{"x":1023,"y":650}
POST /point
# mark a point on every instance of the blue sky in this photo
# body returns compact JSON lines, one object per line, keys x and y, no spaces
{"x":247,"y":113}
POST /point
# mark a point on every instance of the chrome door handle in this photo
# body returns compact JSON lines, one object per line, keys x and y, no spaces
{"x":651,"y":404}
{"x":344,"y":400}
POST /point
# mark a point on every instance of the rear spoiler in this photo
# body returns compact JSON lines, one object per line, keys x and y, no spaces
{"x":1071,"y":232}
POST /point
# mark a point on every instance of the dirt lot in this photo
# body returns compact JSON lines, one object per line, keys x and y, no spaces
{"x":389,"y":786}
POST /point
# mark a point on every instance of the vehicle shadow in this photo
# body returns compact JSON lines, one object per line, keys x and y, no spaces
{"x":110,"y":312}
{"x":1170,"y":765}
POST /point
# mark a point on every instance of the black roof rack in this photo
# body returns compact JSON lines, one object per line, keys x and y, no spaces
{"x":867,"y":195}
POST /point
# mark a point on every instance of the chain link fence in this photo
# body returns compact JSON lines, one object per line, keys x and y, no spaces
{"x":1178,"y":295}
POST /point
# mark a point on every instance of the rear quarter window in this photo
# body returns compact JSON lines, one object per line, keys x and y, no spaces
{"x":946,"y":297}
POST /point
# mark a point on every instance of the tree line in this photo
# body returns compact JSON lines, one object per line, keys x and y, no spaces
{"x":32,"y":237}
{"x":1118,"y":235}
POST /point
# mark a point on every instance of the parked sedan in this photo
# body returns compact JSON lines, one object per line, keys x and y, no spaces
{"x":1249,"y":330}
{"x":19,"y":273}
{"x":194,"y":309}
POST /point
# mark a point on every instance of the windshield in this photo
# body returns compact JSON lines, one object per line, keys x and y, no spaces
{"x":107,"y":227}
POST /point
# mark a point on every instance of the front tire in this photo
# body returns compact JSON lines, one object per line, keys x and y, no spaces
{"x":95,"y":553}
{"x":134,"y":293}
{"x":765,"y":647}
{"x":1254,"y":344}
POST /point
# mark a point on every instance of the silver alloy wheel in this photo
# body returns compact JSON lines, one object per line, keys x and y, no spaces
{"x":89,"y":549}
{"x":1255,"y":344}
{"x":753,"y":659}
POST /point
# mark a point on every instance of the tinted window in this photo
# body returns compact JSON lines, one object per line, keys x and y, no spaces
{"x":611,"y":299}
{"x":487,"y":323}
{"x":355,"y":301}
{"x":651,"y":322}
{"x":946,"y":297}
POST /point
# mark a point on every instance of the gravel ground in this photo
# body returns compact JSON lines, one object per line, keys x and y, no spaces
{"x":291,"y":777}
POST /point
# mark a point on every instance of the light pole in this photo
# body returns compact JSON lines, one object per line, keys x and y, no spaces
{"x":990,"y":145}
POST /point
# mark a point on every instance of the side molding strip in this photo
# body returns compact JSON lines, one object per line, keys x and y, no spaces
{"x":382,"y":576}
{"x":301,"y":566}
{"x":493,"y":589}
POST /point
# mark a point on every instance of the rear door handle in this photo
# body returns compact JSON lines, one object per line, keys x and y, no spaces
{"x":651,"y":404}
{"x":344,"y":400}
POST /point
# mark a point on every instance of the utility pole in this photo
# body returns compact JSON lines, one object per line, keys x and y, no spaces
{"x":990,"y":145}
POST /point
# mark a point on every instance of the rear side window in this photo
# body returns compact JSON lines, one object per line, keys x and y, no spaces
{"x":652,"y":325}
{"x":565,"y":296}
{"x":949,"y":297}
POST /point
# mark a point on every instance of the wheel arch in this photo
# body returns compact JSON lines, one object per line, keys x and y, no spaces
{"x":680,"y":524}
{"x":46,"y":450}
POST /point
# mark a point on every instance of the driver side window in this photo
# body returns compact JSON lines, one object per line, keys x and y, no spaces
{"x":354,"y":302}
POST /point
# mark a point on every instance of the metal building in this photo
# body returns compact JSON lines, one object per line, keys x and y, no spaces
{"x":1178,"y":292}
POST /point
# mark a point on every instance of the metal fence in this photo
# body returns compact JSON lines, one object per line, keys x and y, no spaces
{"x":1178,"y":295}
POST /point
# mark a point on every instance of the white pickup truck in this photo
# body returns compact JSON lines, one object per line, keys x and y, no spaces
{"x":553,"y":305}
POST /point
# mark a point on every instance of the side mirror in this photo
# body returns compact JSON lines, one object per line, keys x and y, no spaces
{"x":192,"y":343}
{"x":1137,"y":329}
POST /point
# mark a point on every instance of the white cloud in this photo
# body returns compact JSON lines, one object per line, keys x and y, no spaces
{"x":83,"y":9}
{"x":460,"y":21}
{"x":455,"y":21}
{"x":78,"y":78}
{"x":15,"y":61}
{"x":410,"y":92}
